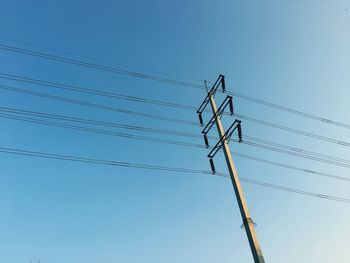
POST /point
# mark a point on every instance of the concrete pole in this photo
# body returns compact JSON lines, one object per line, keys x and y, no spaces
{"x":247,"y":221}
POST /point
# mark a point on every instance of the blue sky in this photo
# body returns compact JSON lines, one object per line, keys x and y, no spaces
{"x":294,"y":53}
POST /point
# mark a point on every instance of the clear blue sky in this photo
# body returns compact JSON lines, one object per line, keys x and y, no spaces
{"x":294,"y":53}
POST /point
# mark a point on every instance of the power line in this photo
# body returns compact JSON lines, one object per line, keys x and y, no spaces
{"x":289,"y":110}
{"x":292,"y":130}
{"x":153,"y":116}
{"x":296,"y":191}
{"x":99,"y":161}
{"x":104,"y":132}
{"x":99,"y":59}
{"x":166,"y":80}
{"x":314,"y":158}
{"x":97,"y":122}
{"x":94,"y":130}
{"x":95,"y":105}
{"x":148,"y":101}
{"x":97,"y":66}
{"x":294,"y":151}
{"x":161,"y":168}
{"x":129,"y":112}
{"x":292,"y":167}
{"x":80,"y":89}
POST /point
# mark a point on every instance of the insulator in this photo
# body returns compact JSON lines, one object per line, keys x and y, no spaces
{"x":200,"y":119}
{"x":223,"y":85}
{"x":239,"y":131}
{"x":230,"y":103}
{"x":206,"y":140}
{"x":212,"y":166}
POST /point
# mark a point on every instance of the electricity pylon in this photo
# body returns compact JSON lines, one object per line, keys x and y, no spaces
{"x":224,"y":138}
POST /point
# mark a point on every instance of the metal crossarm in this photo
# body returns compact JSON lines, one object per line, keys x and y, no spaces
{"x":212,"y":91}
{"x":219,"y":80}
{"x":235,"y":125}
{"x":218,"y":113}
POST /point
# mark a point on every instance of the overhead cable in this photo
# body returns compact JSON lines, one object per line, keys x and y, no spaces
{"x":15,"y":151}
{"x":131,"y":136}
{"x":165,"y":80}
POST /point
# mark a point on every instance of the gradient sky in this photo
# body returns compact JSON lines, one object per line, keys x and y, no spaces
{"x":294,"y":53}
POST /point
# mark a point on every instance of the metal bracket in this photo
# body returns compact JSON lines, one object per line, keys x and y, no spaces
{"x":235,"y":125}
{"x":248,"y":220}
{"x":218,"y":113}
{"x":220,"y":81}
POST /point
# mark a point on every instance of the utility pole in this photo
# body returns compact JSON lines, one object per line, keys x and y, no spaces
{"x":223,"y":143}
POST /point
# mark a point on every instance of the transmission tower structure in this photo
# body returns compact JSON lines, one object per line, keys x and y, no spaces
{"x":224,"y":138}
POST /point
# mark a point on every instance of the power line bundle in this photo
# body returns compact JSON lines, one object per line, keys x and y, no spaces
{"x":60,"y":121}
